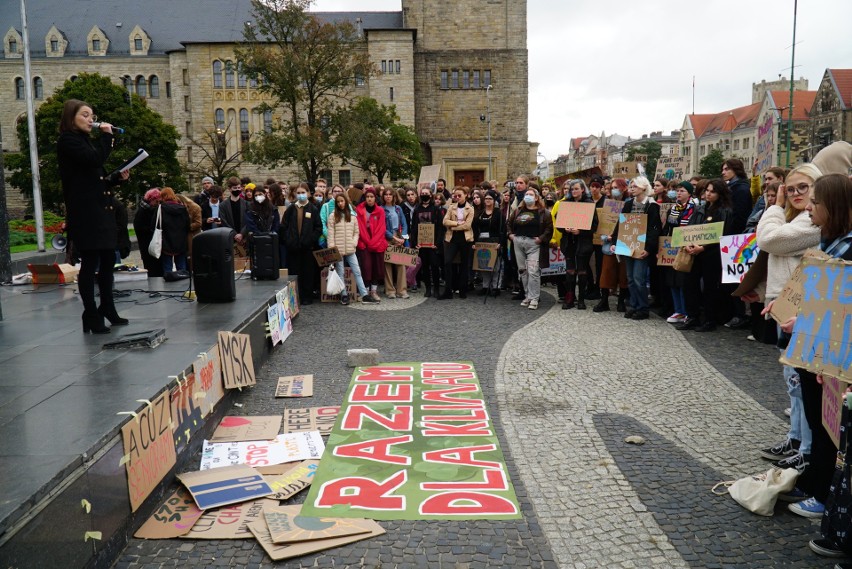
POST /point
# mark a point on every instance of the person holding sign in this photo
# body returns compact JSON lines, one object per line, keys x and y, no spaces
{"x":396,"y":233}
{"x":90,"y":214}
{"x":785,"y":232}
{"x":426,"y":221}
{"x":458,"y":239}
{"x":637,"y":268}
{"x":613,"y":272}
{"x":488,"y":228}
{"x":576,"y":245}
{"x":679,"y":216}
{"x":530,"y":227}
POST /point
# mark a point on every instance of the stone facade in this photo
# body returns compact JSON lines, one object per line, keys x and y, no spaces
{"x":759,"y":90}
{"x":831,"y":115}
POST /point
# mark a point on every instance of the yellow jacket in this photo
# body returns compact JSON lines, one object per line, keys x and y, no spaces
{"x":557,"y":235}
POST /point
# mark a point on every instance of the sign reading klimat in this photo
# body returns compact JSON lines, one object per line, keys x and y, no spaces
{"x":413,"y":441}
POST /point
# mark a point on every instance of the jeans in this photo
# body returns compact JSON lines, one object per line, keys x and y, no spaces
{"x":678,"y":300}
{"x":799,"y":428}
{"x":179,"y":262}
{"x":491,"y":279}
{"x":529,"y":271}
{"x":637,"y":272}
{"x":352,"y":261}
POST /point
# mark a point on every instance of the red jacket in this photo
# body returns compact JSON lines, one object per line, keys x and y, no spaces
{"x":371,"y":234}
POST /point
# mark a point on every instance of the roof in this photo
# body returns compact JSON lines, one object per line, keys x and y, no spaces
{"x":842,"y":80}
{"x":169,"y":23}
{"x":726,"y":121}
{"x":700,"y":123}
{"x":802,"y":103}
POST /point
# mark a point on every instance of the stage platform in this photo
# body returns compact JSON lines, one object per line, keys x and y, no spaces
{"x":60,"y":395}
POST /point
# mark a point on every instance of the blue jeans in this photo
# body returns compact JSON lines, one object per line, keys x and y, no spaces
{"x":799,"y":428}
{"x":352,"y":261}
{"x":179,"y":261}
{"x":678,"y":300}
{"x":637,"y":272}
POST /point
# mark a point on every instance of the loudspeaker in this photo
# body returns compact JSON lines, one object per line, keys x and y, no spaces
{"x":213,"y":265}
{"x":59,"y":242}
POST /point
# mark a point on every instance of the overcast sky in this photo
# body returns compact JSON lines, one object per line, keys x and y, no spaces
{"x":626,"y":67}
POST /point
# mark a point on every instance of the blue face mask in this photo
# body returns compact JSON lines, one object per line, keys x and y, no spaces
{"x":529,"y":200}
{"x":302,"y":197}
{"x":672,"y":194}
{"x":616,"y":194}
{"x":318,"y":199}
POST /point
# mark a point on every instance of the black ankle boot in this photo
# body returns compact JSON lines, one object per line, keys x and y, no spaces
{"x":447,"y":295}
{"x":111,"y":314}
{"x":603,"y":305}
{"x":93,"y":322}
{"x":622,"y":301}
{"x":428,"y":291}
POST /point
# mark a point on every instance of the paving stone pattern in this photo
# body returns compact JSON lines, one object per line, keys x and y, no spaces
{"x":564,"y":388}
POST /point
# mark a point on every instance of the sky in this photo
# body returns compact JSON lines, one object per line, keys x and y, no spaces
{"x":627,"y":67}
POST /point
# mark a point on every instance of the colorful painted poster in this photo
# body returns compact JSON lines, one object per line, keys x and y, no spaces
{"x":739,"y":252}
{"x":787,"y":304}
{"x":287,"y":527}
{"x":672,"y":167}
{"x":625,"y":169}
{"x":230,"y":522}
{"x":485,"y":256}
{"x":222,"y":486}
{"x":274,"y":325}
{"x":284,"y":448}
{"x":325,"y":257}
{"x":557,"y":263}
{"x":174,"y":518}
{"x":295,"y":386}
{"x":285,"y":322}
{"x":832,"y":406}
{"x":613,"y":206}
{"x":235,"y":428}
{"x":292,"y":481}
{"x":607,"y":222}
{"x":667,"y":254}
{"x":186,"y":409}
{"x":405,"y":256}
{"x":632,"y":233}
{"x":766,"y":144}
{"x":704,"y":234}
{"x":414,"y":441}
{"x":209,"y":378}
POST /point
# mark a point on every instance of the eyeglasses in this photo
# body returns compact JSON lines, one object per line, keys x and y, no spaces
{"x":800,"y":189}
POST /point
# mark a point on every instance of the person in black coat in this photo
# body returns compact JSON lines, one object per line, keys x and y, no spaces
{"x":577,"y":247}
{"x":733,"y":173}
{"x":90,"y":214}
{"x":300,"y":232}
{"x":176,"y":226}
{"x":143,"y":225}
{"x":426,"y":212}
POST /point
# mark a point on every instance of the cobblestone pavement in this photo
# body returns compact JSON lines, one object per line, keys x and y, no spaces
{"x":564,"y":388}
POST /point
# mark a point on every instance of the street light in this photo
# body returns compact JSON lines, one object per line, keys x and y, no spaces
{"x":488,"y":120}
{"x":546,"y":165}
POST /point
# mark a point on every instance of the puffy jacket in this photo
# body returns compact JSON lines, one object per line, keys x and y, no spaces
{"x":371,"y":232}
{"x":343,"y":234}
{"x":785,"y":243}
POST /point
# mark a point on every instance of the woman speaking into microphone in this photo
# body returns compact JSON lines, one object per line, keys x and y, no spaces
{"x":90,"y":217}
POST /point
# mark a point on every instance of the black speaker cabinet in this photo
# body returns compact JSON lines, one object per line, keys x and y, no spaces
{"x":213,"y":265}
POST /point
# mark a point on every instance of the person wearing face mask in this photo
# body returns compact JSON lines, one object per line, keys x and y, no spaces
{"x":300,"y":231}
{"x":372,"y":243}
{"x":261,"y":217}
{"x":576,"y":246}
{"x":529,"y":227}
{"x":596,"y":186}
{"x":488,"y":228}
{"x":679,"y":216}
{"x":233,"y":212}
{"x":427,"y":213}
{"x":458,"y":239}
{"x":613,"y":269}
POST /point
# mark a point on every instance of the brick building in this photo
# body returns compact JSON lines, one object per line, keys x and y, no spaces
{"x":435,"y":60}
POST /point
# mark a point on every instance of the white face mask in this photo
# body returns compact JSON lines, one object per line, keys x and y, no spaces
{"x":260,"y":198}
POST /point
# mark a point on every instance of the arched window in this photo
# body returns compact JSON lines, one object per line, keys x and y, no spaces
{"x":267,"y":121}
{"x":241,"y":77}
{"x":19,"y":88}
{"x":38,"y":88}
{"x":217,"y":74}
{"x":220,"y":119}
{"x":141,"y":86}
{"x":154,"y":86}
{"x":229,"y":75}
{"x":244,"y":125}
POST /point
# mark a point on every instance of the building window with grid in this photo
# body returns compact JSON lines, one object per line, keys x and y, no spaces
{"x":445,"y":81}
{"x":241,"y":77}
{"x":384,"y":66}
{"x":220,"y":119}
{"x":486,"y":76}
{"x":359,"y":80}
{"x":244,"y":125}
{"x":137,"y":43}
{"x":13,"y":45}
{"x":267,"y":121}
{"x":229,"y":75}
{"x":398,"y":66}
{"x":141,"y":86}
{"x":54,"y":45}
{"x":217,"y":74}
{"x":476,"y":82}
{"x":38,"y":88}
{"x":96,"y":44}
{"x":154,"y":87}
{"x":745,"y":143}
{"x":465,"y":79}
{"x":19,"y":89}
{"x":455,"y":82}
{"x":344,"y":177}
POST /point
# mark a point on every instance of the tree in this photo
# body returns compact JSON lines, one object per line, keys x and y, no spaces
{"x":310,"y":68}
{"x":711,"y":165}
{"x":371,"y":138}
{"x":652,"y":149}
{"x":216,"y":162}
{"x":144,"y":129}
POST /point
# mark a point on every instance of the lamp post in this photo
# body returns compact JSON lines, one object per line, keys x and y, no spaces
{"x":488,"y":120}
{"x":792,"y":69}
{"x":38,"y":210}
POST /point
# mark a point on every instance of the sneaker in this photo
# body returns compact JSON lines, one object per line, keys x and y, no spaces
{"x":751,"y":338}
{"x":375,"y":295}
{"x":810,"y":508}
{"x":788,"y":411}
{"x":798,"y":461}
{"x":737,"y":323}
{"x":526,"y":302}
{"x":825,"y":547}
{"x":344,"y":300}
{"x":368,"y":299}
{"x":404,"y":295}
{"x":687,"y":324}
{"x":533,"y":304}
{"x":675,"y":318}
{"x":794,"y":495}
{"x":782,"y":450}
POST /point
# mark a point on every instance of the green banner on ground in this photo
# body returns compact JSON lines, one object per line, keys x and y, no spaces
{"x":413,"y":441}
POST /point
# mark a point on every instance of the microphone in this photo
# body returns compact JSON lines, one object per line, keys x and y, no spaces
{"x":115,"y":129}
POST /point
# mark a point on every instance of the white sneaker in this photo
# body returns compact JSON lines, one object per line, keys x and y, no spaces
{"x":533,"y":304}
{"x":675,"y":318}
{"x":526,"y":302}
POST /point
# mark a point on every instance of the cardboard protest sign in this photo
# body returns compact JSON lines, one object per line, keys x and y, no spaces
{"x":613,"y":206}
{"x":186,"y":411}
{"x":292,"y":481}
{"x":739,"y":252}
{"x":667,"y":253}
{"x":149,"y":448}
{"x":174,"y":518}
{"x":787,"y":304}
{"x":575,"y":215}
{"x":557,"y":263}
{"x":632,"y":233}
{"x":607,"y":222}
{"x":241,"y":256}
{"x":428,"y":176}
{"x":320,"y":419}
{"x":230,"y":522}
{"x":665,"y":208}
{"x":285,"y":321}
{"x":348,"y":281}
{"x":704,"y":234}
{"x":426,"y":235}
{"x":625,"y":169}
{"x":273,"y":324}
{"x":672,"y":167}
{"x":821,"y":340}
{"x":289,"y":447}
{"x":413,"y":441}
{"x":485,"y":256}
{"x":223,"y":486}
{"x":325,"y":257}
{"x":294,"y":299}
{"x":209,"y":379}
{"x":287,"y":526}
{"x":405,"y":256}
{"x":235,"y":428}
{"x":278,"y":552}
{"x":236,"y":360}
{"x":766,"y":143}
{"x":295,"y":386}
{"x":755,"y":275}
{"x":832,"y":406}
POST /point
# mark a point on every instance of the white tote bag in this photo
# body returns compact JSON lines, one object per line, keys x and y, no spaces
{"x":155,"y":248}
{"x":758,"y":493}
{"x":334,"y":285}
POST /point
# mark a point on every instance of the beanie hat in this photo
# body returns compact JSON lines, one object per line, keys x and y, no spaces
{"x":596,"y":179}
{"x":250,"y":186}
{"x":836,"y":158}
{"x":687,"y":186}
{"x":208,"y":179}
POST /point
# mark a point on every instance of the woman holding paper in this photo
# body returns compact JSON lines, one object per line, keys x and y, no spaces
{"x":488,"y":228}
{"x":679,"y":216}
{"x":396,"y":233}
{"x":90,"y":215}
{"x":576,"y":245}
{"x":613,"y":271}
